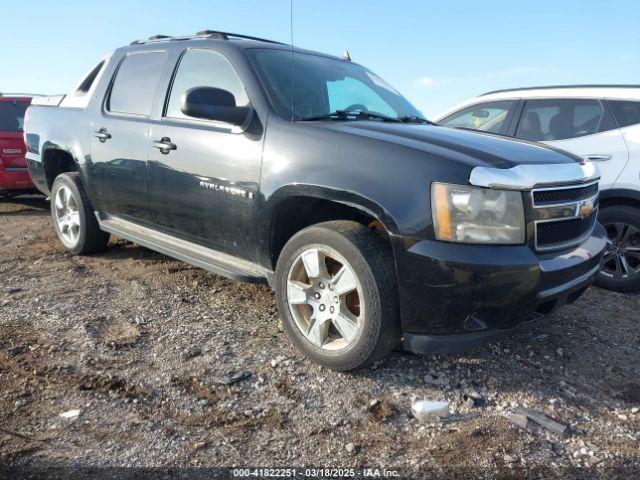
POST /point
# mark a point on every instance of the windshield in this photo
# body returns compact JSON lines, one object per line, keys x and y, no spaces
{"x":325,"y":85}
{"x":12,"y":115}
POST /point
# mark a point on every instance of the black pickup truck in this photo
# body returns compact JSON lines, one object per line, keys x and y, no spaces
{"x":266,"y":163}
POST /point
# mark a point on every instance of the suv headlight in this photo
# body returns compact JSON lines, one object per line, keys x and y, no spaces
{"x":467,"y":214}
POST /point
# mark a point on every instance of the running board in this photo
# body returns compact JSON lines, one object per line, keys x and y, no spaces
{"x":192,"y":253}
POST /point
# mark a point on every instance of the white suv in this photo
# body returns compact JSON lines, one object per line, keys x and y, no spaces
{"x":600,"y":123}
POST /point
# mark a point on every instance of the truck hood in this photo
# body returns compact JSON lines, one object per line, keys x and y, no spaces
{"x":471,"y":148}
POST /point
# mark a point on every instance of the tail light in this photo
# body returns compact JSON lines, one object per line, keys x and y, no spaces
{"x":24,"y":126}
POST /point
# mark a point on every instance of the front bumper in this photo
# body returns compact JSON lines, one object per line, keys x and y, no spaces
{"x":15,"y":178}
{"x":454,"y":297}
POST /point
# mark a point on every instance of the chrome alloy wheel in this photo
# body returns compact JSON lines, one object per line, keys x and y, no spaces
{"x":325,"y":298}
{"x":622,"y":257}
{"x":67,"y":216}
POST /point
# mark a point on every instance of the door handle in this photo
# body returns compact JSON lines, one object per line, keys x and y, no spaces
{"x":598,"y":157}
{"x":102,"y":135}
{"x":164,"y":145}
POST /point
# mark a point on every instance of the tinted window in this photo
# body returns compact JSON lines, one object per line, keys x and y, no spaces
{"x":485,"y":117}
{"x":626,"y":113}
{"x":204,"y":68}
{"x":323,"y":84}
{"x":12,"y":115}
{"x":136,"y":83}
{"x":344,"y":94}
{"x":90,"y":78}
{"x":559,"y":119}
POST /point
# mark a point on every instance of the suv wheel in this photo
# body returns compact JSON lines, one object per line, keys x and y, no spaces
{"x":621,"y":265}
{"x":73,"y":217}
{"x":336,"y":294}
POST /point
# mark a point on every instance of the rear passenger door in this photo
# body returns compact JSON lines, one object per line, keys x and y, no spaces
{"x":583,"y":127}
{"x":627,"y":115}
{"x":119,"y":144}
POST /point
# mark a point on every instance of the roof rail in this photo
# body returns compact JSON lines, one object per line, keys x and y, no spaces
{"x":208,"y":34}
{"x":226,"y":35}
{"x":548,"y":87}
{"x":6,"y":94}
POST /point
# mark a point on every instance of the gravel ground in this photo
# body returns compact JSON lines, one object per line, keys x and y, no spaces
{"x":171,"y":366}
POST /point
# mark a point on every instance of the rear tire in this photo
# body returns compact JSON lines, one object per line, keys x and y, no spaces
{"x":621,"y":268}
{"x":337,"y":295}
{"x":73,"y":217}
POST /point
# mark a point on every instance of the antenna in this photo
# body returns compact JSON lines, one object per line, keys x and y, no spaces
{"x":346,"y":56}
{"x":292,"y":82}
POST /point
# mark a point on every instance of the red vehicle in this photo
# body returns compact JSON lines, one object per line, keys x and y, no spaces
{"x":14,"y":175}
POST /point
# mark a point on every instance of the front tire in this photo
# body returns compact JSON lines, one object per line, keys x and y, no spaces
{"x":73,"y":217}
{"x":621,"y":267}
{"x":337,"y":295}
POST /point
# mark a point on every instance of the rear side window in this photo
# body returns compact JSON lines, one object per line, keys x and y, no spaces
{"x":136,"y":83}
{"x":204,"y":68}
{"x":12,"y":115}
{"x":87,"y":82}
{"x":625,"y":112}
{"x":485,"y":117}
{"x":560,"y":119}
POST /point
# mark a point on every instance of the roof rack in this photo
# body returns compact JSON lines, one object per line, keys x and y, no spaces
{"x":548,"y":87}
{"x":206,"y":34}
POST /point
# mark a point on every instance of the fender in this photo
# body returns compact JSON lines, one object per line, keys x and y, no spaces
{"x":47,"y":148}
{"x":46,"y":132}
{"x":37,"y":160}
{"x":624,"y":196}
{"x":348,"y":199}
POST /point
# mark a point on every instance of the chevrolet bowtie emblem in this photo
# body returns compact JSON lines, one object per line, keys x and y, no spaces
{"x":586,"y":208}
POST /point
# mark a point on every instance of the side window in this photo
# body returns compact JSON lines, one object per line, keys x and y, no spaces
{"x":625,"y":112}
{"x":204,"y":68}
{"x":559,"y":119}
{"x":349,"y":91}
{"x":136,"y":83}
{"x":87,"y":82}
{"x":485,"y":117}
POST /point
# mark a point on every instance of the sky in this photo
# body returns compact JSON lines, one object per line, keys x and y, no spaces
{"x":435,"y":53}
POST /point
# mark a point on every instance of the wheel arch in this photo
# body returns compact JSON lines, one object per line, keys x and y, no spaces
{"x":296,"y":207}
{"x":620,"y":197}
{"x":57,"y":159}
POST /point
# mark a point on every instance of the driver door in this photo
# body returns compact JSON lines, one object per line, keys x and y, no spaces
{"x":203,"y":186}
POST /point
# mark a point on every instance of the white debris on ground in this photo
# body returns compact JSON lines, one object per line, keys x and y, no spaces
{"x":429,"y":410}
{"x":70,"y":415}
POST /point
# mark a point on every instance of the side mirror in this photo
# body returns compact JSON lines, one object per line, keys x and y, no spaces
{"x":213,"y":104}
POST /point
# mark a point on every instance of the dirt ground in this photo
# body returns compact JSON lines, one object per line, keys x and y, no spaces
{"x":179,"y":370}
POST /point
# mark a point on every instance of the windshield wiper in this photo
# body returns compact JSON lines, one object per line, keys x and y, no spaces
{"x":380,"y":116}
{"x":347,"y":114}
{"x":416,"y":119}
{"x":338,"y":115}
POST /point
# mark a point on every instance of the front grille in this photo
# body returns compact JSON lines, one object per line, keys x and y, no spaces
{"x":564,"y":216}
{"x":542,"y":197}
{"x":564,"y":231}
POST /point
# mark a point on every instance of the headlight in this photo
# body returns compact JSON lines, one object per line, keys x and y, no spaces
{"x":477,"y":215}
